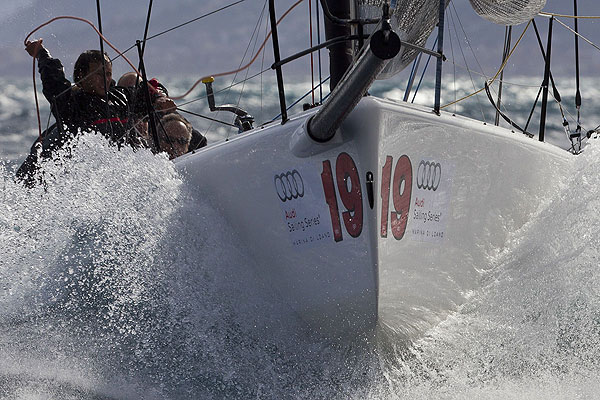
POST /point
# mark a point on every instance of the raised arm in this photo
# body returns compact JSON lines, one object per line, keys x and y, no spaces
{"x":52,"y":72}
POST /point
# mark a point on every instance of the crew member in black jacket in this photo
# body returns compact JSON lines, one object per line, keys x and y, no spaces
{"x":93,"y":103}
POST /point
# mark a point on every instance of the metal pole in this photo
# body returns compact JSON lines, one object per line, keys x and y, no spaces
{"x":383,"y":45}
{"x":413,"y":75}
{"x":546,"y":82}
{"x":146,"y":28}
{"x":438,"y":72}
{"x":103,"y":66}
{"x":277,"y":58}
{"x":507,"y":36}
{"x":320,"y":69}
{"x":147,"y":96}
{"x":577,"y":93}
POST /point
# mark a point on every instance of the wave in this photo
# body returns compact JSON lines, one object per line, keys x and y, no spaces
{"x":118,"y":281}
{"x":533,"y":329}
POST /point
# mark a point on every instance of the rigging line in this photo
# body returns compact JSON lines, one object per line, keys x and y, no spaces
{"x":577,"y":34}
{"x":452,"y":52}
{"x":507,"y":38}
{"x":319,"y":54}
{"x":312,"y":67}
{"x":466,"y":38}
{"x":551,"y":76}
{"x":537,"y":98}
{"x":195,"y":19}
{"x":103,"y":67}
{"x":146,"y":28}
{"x":577,"y":90}
{"x":411,"y":76}
{"x":262,"y":67}
{"x":504,"y":81}
{"x":254,"y":37}
{"x":37,"y":105}
{"x":179,"y":26}
{"x":423,"y":73}
{"x":300,"y":99}
{"x":549,"y":15}
{"x":499,"y":70}
{"x":245,"y":66}
{"x":226,"y":88}
{"x":93,"y":27}
{"x":465,"y":60}
{"x":500,"y":105}
{"x":565,"y":109}
{"x":205,"y":117}
{"x":503,"y":115}
{"x":236,"y":73}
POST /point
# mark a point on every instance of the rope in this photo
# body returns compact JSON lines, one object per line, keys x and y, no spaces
{"x":423,"y":73}
{"x":319,"y":55}
{"x":226,"y":88}
{"x":255,"y":39}
{"x":489,"y":77}
{"x":104,"y":84}
{"x":301,"y":98}
{"x":183,"y":24}
{"x":497,"y":73}
{"x":37,"y":105}
{"x":312,"y":66}
{"x":243,"y":67}
{"x":577,"y":89}
{"x":452,"y":52}
{"x":205,"y":117}
{"x":93,"y":27}
{"x":122,"y":54}
{"x":578,"y":34}
{"x":549,"y":15}
{"x":464,"y":57}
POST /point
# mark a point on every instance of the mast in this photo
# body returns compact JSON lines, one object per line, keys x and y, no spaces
{"x":383,"y":45}
{"x":340,"y":55}
{"x":438,"y":73}
{"x":546,"y":83}
{"x":277,"y":58}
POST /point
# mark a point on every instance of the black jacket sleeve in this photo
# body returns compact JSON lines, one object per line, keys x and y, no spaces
{"x":55,"y":84}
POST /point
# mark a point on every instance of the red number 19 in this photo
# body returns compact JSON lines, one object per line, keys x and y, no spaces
{"x":401,"y":194}
{"x":348,"y":184}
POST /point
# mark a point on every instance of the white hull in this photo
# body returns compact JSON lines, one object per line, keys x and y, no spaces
{"x":409,"y":273}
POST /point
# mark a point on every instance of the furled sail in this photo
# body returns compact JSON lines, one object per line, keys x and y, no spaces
{"x":508,"y":12}
{"x":412,"y":20}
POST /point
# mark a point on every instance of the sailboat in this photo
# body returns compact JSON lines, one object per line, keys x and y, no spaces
{"x":365,"y":210}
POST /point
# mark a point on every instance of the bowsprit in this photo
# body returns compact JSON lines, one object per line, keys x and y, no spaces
{"x":429,"y":175}
{"x":289,"y":185}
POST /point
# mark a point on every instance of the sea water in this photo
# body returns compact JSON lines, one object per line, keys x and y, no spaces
{"x":116,"y":283}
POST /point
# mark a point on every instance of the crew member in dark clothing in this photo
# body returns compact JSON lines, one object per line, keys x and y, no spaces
{"x":92,"y":104}
{"x":131,"y":79}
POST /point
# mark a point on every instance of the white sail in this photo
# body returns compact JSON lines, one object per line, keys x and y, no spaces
{"x":508,"y":12}
{"x":412,"y":20}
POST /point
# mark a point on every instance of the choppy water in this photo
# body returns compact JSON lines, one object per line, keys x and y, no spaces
{"x":115,"y":283}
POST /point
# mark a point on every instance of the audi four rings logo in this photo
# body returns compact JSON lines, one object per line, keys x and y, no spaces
{"x":289,"y":185}
{"x":429,"y":175}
